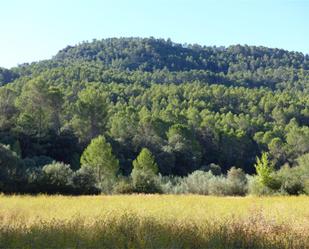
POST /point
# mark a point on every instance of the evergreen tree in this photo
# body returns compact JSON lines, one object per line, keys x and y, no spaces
{"x":144,"y":173}
{"x":145,"y":162}
{"x":90,"y":113}
{"x":99,"y":156}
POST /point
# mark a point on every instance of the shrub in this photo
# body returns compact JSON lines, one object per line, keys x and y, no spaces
{"x":237,"y":182}
{"x":306,"y":186}
{"x":205,"y":183}
{"x":172,"y":185}
{"x":291,"y":180}
{"x":35,"y":180}
{"x":11,"y":170}
{"x":198,"y":182}
{"x":218,"y":185}
{"x":256,"y":187}
{"x":146,"y":183}
{"x":58,"y":178}
{"x":123,"y":186}
{"x":84,"y":181}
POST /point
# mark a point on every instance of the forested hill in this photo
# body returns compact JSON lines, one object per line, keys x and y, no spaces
{"x":162,"y":61}
{"x":157,"y":54}
{"x":191,"y":106}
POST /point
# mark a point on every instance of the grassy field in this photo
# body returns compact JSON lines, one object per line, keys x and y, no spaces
{"x":158,"y":221}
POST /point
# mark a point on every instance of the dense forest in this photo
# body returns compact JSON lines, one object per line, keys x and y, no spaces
{"x":114,"y":111}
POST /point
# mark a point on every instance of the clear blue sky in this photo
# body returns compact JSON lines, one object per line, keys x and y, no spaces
{"x":36,"y":29}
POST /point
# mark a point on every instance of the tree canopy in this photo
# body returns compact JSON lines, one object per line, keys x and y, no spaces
{"x":191,"y":106}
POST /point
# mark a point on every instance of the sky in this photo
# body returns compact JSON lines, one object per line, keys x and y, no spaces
{"x":34,"y":30}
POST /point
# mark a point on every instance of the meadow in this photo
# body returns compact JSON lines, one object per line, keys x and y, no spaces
{"x":154,"y":221}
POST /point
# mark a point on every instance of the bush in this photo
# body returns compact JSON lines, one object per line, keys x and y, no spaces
{"x":35,"y":180}
{"x":205,"y":183}
{"x":291,"y":180}
{"x":58,"y":178}
{"x":306,"y":186}
{"x":146,"y":183}
{"x":84,"y":181}
{"x":124,"y":186}
{"x":218,"y":185}
{"x":256,"y":187}
{"x":198,"y":182}
{"x":237,"y":182}
{"x":172,"y":185}
{"x":11,"y":171}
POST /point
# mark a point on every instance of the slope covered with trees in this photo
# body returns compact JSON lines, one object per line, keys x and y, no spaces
{"x":189,"y":107}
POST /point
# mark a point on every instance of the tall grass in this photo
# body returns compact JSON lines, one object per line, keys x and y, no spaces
{"x":154,"y":222}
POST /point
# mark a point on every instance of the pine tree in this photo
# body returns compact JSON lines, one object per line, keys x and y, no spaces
{"x":99,"y":156}
{"x":145,"y":162}
{"x":144,"y":173}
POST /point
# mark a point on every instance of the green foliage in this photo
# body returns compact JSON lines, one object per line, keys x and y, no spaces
{"x":291,"y":180}
{"x":237,"y":182}
{"x":197,"y":182}
{"x":11,"y":168}
{"x":99,"y":156}
{"x":205,"y":183}
{"x":189,"y":105}
{"x":57,"y":177}
{"x":123,"y":186}
{"x":39,"y":108}
{"x":90,"y":113}
{"x":145,"y":182}
{"x":145,"y":162}
{"x":84,"y":181}
{"x":144,"y":173}
{"x":8,"y":109}
{"x":257,"y":188}
{"x":149,"y":54}
{"x":265,"y":170}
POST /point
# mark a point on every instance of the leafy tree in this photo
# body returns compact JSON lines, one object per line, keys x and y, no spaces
{"x":265,"y":169}
{"x":145,"y":162}
{"x":55,"y":99}
{"x":11,"y":170}
{"x":99,"y":156}
{"x":8,"y":110}
{"x":186,"y":149}
{"x":189,"y":105}
{"x":90,"y":113}
{"x":144,"y":173}
{"x":34,"y":110}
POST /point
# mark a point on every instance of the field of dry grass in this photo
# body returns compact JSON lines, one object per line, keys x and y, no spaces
{"x":154,"y":221}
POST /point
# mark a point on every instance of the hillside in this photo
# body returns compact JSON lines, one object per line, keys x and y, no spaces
{"x":251,"y":66}
{"x":192,"y":106}
{"x":150,"y":54}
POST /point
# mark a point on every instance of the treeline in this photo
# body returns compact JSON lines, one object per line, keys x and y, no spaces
{"x":99,"y":173}
{"x":189,"y":117}
{"x":149,"y":54}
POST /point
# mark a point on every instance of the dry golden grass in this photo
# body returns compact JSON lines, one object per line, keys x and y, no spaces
{"x":154,"y":221}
